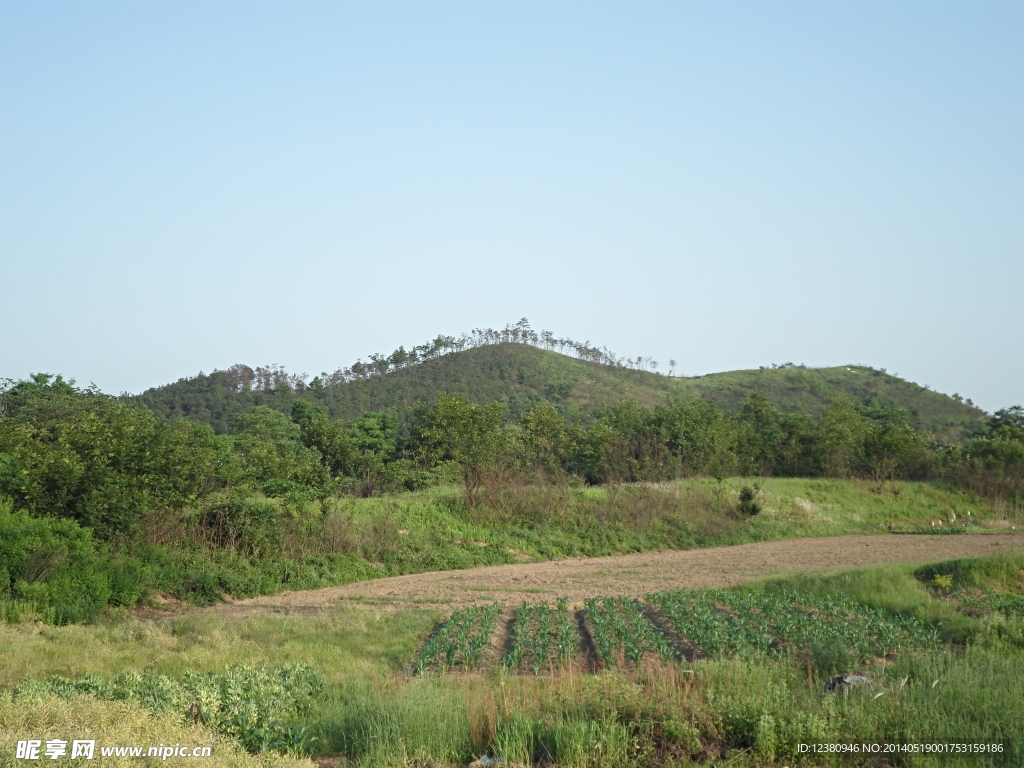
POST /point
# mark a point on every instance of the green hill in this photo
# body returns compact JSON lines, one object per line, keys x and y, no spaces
{"x":517,"y":374}
{"x":808,"y":390}
{"x":521,"y":376}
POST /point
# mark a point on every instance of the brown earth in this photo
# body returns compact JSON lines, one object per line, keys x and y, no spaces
{"x":631,"y":575}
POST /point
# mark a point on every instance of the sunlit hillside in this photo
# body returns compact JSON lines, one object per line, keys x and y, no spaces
{"x":522,"y":375}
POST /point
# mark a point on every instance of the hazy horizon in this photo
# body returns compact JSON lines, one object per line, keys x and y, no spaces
{"x":185,"y":186}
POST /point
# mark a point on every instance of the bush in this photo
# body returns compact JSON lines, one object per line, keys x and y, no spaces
{"x":247,"y":523}
{"x":129,"y":579}
{"x":53,"y":566}
{"x":56,"y":570}
{"x":748,"y":501}
{"x":405,"y":475}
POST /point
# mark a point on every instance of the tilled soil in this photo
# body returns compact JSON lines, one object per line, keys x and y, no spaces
{"x":631,"y":575}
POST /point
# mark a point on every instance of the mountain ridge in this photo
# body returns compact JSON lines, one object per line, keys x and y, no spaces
{"x":522,"y":376}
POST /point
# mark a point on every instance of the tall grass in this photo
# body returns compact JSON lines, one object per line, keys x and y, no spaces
{"x":741,"y":709}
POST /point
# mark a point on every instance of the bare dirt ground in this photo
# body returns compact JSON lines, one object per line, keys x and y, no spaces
{"x":630,"y":575}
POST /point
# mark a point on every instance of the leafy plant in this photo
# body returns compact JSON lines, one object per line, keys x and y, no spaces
{"x":458,"y":642}
{"x":619,"y":628}
{"x":247,"y":703}
{"x":542,"y":635}
{"x":942,"y":583}
{"x":726,"y":622}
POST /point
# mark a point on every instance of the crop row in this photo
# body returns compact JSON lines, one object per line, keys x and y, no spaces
{"x":619,"y":628}
{"x":460,"y":641}
{"x":695,"y":616}
{"x":542,"y":636}
{"x":856,"y":626}
{"x":727,"y":622}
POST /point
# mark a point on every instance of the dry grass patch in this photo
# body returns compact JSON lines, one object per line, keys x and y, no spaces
{"x":118,"y":723}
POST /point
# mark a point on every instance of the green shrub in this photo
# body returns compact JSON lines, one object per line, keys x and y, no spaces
{"x":52,"y":565}
{"x":748,"y":501}
{"x":405,"y":475}
{"x":246,"y":523}
{"x":129,"y":579}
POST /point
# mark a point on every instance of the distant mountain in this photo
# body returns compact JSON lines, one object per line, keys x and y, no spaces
{"x":522,"y":375}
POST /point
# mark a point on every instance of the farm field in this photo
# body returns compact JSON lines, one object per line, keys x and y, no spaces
{"x":621,"y":633}
{"x":668,"y":677}
{"x":347,"y":540}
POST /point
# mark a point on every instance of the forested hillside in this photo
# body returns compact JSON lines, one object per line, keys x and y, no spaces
{"x":808,"y":390}
{"x":521,"y":376}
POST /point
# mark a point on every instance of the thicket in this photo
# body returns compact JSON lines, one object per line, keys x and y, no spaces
{"x":100,"y":499}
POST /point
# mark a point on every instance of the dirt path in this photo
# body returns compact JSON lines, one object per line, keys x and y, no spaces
{"x":632,"y":575}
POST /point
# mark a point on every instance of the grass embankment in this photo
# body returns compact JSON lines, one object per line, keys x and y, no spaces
{"x":749,"y":709}
{"x":346,"y":540}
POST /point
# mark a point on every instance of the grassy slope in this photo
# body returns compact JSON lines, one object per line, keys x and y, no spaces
{"x":523,"y":376}
{"x":357,"y":539}
{"x":594,"y":523}
{"x":682,"y":515}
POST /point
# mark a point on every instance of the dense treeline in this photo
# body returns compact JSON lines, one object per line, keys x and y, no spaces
{"x":78,"y":453}
{"x":630,"y":443}
{"x":88,"y":482}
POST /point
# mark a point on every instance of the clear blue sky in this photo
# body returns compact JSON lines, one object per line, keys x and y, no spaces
{"x":187,"y":185}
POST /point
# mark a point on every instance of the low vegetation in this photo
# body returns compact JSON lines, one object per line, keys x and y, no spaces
{"x":954,"y":673}
{"x":121,"y":723}
{"x":244,"y":703}
{"x":621,"y":633}
{"x":544,"y":638}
